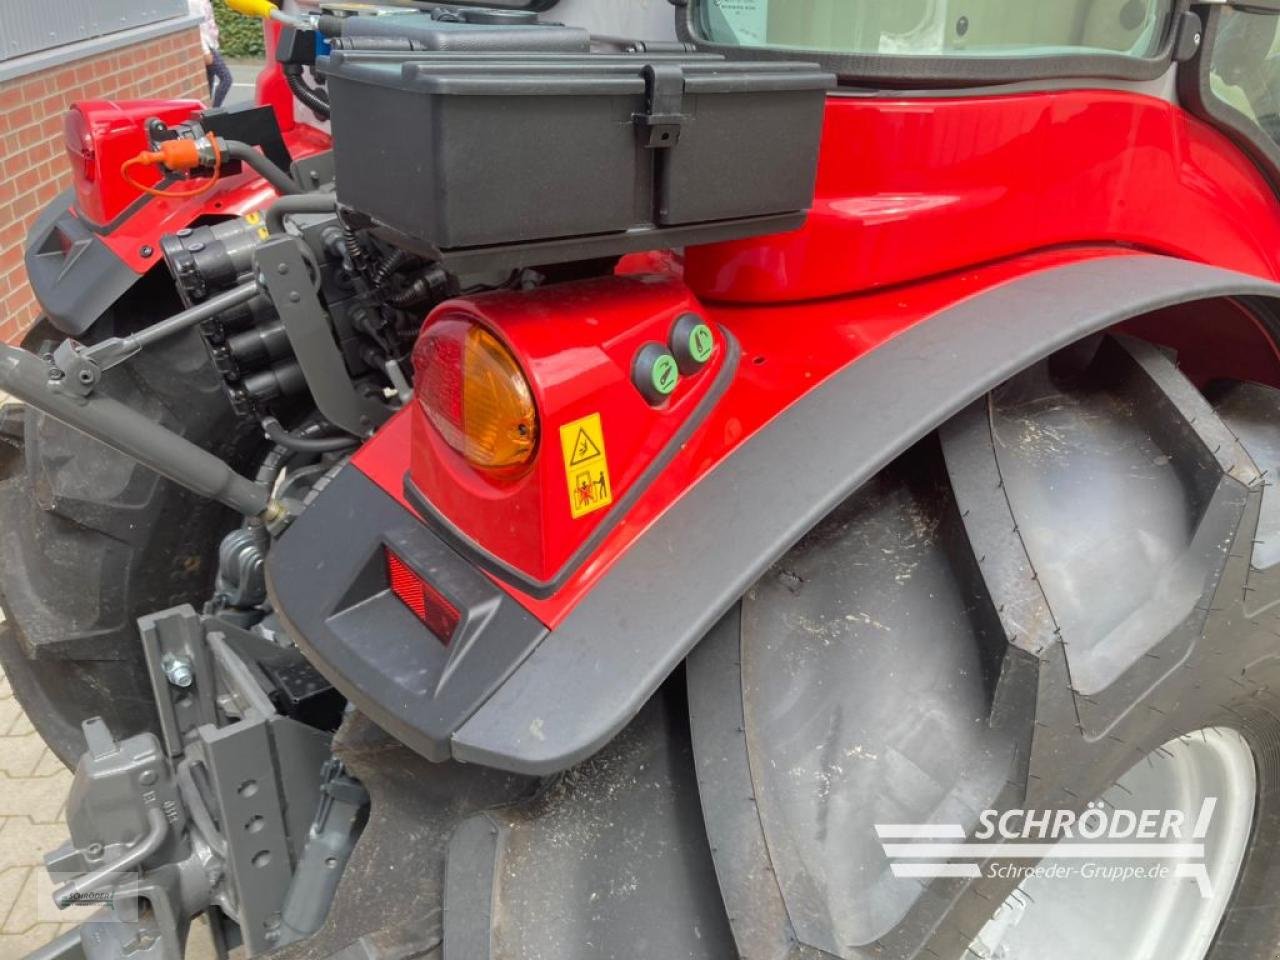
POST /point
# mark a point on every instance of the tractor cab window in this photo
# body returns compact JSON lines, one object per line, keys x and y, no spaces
{"x":1244,"y":68}
{"x":942,"y":28}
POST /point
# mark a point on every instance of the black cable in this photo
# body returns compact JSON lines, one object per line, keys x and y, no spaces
{"x":300,"y":443}
{"x":426,"y":286}
{"x":275,"y":461}
{"x":389,"y":265}
{"x":238,"y":150}
{"x":311,"y":97}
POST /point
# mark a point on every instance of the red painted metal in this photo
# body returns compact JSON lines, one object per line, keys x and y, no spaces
{"x":913,"y":188}
{"x":232,"y":197}
{"x":785,"y":354}
{"x":920,"y":204}
{"x":100,"y":136}
{"x":270,"y":87}
{"x":576,"y":343}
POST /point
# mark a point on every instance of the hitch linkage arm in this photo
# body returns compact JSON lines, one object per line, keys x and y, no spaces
{"x":42,"y":385}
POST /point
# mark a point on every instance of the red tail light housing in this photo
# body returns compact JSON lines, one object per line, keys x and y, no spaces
{"x":81,"y":150}
{"x":426,"y":602}
{"x":561,"y":362}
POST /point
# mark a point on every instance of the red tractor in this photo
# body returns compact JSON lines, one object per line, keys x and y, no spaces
{"x":796,"y":486}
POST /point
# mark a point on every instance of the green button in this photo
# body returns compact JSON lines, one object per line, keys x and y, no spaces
{"x":701,"y":343}
{"x":665,"y":374}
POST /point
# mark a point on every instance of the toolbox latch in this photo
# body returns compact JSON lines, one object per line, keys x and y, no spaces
{"x":664,"y":96}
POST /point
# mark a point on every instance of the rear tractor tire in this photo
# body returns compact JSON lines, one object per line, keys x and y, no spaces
{"x":1067,"y":596}
{"x":90,"y":540}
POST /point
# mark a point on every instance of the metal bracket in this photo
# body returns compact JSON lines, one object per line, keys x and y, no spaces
{"x":315,"y":171}
{"x":662,"y":122}
{"x":1188,"y":36}
{"x":178,"y":634}
{"x":291,"y":286}
{"x":217,"y":818}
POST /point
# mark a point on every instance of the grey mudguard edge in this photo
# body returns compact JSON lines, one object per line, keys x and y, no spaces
{"x":590,"y":676}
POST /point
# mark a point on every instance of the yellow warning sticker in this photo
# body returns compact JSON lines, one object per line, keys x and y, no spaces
{"x":585,"y":465}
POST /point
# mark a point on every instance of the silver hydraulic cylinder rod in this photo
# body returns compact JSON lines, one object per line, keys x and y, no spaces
{"x":26,"y":377}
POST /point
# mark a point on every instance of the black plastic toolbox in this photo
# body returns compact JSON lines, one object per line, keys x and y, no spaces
{"x":423,"y":32}
{"x":536,"y":157}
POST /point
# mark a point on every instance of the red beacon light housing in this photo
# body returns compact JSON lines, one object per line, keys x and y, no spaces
{"x":100,"y":136}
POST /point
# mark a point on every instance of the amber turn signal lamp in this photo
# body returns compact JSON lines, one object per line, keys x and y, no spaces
{"x":474,"y":393}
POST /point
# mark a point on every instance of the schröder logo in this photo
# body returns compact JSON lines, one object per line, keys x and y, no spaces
{"x":1161,"y":843}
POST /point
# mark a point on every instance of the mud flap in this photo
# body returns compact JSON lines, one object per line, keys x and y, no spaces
{"x":458,"y":862}
{"x":612,"y":861}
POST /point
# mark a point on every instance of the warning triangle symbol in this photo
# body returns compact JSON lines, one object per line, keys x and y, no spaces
{"x":584,"y":449}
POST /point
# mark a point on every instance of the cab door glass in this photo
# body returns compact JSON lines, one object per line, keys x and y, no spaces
{"x":1244,"y":67}
{"x":951,"y":28}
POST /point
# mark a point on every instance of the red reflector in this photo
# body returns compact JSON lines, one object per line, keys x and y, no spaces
{"x":438,"y":615}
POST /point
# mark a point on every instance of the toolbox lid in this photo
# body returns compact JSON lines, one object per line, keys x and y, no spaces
{"x":590,"y":74}
{"x":427,"y":33}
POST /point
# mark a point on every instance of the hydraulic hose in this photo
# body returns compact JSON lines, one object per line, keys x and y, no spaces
{"x":239,"y":150}
{"x":299,"y":203}
{"x":301,"y":443}
{"x":426,"y":286}
{"x":311,"y":97}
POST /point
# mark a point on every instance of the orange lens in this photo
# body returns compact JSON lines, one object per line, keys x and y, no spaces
{"x":476,"y":396}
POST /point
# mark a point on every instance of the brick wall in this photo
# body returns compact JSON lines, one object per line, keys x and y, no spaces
{"x":33,"y":167}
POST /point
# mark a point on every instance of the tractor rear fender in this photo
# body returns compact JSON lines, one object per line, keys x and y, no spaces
{"x":563,"y":694}
{"x":76,"y":276}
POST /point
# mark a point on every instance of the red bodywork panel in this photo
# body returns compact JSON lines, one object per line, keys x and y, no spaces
{"x":232,"y":197}
{"x":913,"y":188}
{"x":577,"y":342}
{"x":920,"y":204}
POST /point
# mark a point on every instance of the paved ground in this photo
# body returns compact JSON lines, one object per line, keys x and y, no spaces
{"x":33,"y":790}
{"x":243,"y":73}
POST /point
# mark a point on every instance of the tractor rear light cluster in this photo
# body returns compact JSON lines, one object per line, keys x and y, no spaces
{"x":475,"y":394}
{"x":81,"y":151}
{"x":426,"y":602}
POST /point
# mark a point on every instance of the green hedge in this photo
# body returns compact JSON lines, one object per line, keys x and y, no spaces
{"x":239,"y":36}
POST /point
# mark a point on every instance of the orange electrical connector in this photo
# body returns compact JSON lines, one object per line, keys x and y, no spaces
{"x":176,"y":156}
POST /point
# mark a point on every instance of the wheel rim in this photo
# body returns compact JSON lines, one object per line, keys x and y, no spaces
{"x":1164,"y":918}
